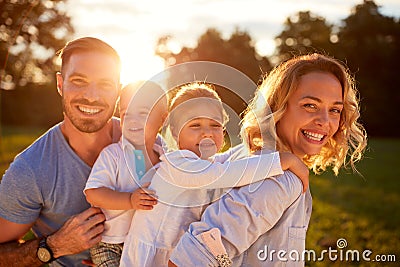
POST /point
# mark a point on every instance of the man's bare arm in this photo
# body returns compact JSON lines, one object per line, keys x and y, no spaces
{"x":79,"y":233}
{"x":19,"y":254}
{"x":14,"y":253}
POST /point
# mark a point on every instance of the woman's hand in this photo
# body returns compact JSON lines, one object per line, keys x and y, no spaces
{"x":291,"y":162}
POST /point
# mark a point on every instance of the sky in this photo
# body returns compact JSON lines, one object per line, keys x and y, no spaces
{"x":133,"y":27}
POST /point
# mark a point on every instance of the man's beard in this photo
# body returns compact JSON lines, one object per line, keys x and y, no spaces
{"x":85,"y":125}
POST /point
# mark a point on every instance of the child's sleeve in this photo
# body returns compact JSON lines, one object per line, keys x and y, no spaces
{"x":224,"y":156}
{"x":195,"y":173}
{"x":104,"y":171}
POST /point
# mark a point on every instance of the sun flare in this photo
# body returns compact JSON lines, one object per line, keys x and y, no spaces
{"x":138,"y":62}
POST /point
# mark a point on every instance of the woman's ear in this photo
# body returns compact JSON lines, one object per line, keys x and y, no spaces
{"x":60,"y":80}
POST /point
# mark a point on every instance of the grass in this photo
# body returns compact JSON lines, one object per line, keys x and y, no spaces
{"x":13,"y":140}
{"x":365,"y":210}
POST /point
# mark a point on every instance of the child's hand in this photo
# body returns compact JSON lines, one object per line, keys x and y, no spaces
{"x":143,"y":198}
{"x":297,"y":166}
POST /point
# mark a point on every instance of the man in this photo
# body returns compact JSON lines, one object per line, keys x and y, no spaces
{"x":42,"y":189}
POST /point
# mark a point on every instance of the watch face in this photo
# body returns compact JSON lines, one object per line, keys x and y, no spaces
{"x":43,"y":254}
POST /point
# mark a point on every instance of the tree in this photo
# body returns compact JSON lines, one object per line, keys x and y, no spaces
{"x":303,"y":33}
{"x":30,"y":33}
{"x":370,"y":44}
{"x":238,"y":51}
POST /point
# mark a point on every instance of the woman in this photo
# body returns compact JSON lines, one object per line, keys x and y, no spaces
{"x":315,"y":111}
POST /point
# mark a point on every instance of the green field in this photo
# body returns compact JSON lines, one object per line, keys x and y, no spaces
{"x":12,"y":141}
{"x":364,"y":210}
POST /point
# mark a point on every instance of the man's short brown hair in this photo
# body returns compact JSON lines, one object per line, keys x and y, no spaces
{"x":86,"y":44}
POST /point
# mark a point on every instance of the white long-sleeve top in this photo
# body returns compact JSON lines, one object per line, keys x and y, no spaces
{"x":254,"y":221}
{"x":182,"y":184}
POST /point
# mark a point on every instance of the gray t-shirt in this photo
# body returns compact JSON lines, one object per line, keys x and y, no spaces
{"x":44,"y":185}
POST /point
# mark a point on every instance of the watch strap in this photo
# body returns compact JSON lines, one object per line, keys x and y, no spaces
{"x":43,"y":245}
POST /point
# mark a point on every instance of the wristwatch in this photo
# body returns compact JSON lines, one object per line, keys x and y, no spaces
{"x":44,"y":252}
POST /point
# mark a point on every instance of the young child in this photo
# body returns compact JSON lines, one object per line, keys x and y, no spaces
{"x":196,"y":123}
{"x":115,"y":183}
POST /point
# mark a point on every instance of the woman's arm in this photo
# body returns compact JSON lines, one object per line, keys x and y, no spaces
{"x":242,"y":216}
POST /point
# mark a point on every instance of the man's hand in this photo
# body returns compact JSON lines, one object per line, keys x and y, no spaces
{"x":79,"y":233}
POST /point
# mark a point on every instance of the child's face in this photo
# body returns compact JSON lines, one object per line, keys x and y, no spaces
{"x":123,"y":107}
{"x":143,"y":121}
{"x":203,"y":136}
{"x":155,"y":120}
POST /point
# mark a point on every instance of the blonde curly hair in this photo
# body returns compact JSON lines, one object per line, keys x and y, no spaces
{"x":270,"y":103}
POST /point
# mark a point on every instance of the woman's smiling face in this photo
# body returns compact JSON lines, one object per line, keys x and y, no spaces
{"x":313,"y":114}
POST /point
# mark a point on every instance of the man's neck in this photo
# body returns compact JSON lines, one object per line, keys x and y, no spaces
{"x":87,"y":145}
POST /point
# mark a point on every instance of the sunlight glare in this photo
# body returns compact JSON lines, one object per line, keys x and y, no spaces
{"x":139,"y":63}
{"x":265,"y":47}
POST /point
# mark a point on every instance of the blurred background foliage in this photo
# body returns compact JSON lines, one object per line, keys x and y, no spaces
{"x":31,"y":31}
{"x":366,"y":41}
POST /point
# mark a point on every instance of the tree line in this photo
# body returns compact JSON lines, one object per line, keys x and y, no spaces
{"x":367,"y":41}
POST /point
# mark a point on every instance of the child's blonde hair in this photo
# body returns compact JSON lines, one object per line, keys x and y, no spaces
{"x":190,"y":92}
{"x":141,"y":88}
{"x":196,"y":90}
{"x":274,"y":93}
